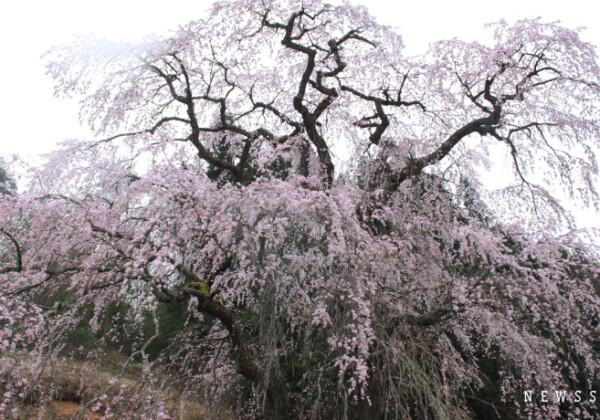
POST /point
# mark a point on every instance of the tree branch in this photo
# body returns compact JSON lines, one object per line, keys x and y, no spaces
{"x":19,"y":267}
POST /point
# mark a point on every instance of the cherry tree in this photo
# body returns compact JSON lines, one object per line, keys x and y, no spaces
{"x":313,"y":198}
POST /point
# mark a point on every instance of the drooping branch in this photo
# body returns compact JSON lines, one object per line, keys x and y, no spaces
{"x":429,"y":318}
{"x":19,"y":266}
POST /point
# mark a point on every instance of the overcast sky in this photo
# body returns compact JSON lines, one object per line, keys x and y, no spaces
{"x":33,"y":121}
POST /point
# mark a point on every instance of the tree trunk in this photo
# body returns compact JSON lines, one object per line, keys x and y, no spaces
{"x":277,"y":405}
{"x":276,"y":401}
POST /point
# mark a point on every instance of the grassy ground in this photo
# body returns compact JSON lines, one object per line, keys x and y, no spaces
{"x":55,"y":410}
{"x":73,"y":383}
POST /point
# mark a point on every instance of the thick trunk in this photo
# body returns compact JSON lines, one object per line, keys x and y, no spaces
{"x":276,"y":401}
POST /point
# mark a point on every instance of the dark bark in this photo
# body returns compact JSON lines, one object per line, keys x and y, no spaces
{"x":277,"y":404}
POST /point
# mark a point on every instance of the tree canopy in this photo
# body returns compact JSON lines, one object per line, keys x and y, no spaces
{"x":307,"y":201}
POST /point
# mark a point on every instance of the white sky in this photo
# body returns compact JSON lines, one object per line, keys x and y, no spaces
{"x":33,"y":121}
